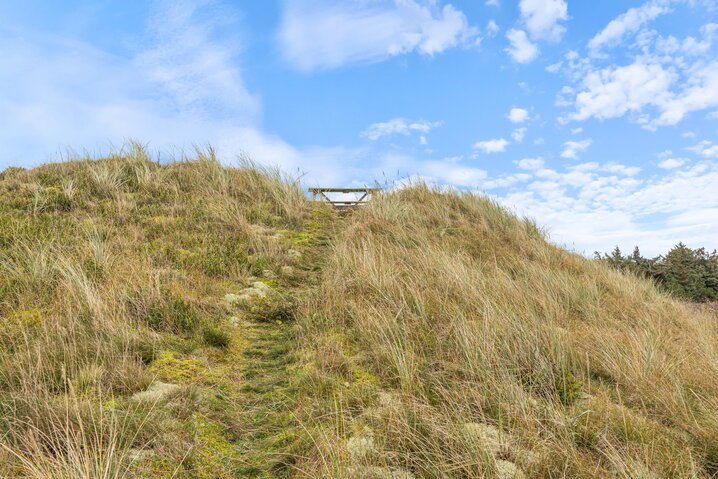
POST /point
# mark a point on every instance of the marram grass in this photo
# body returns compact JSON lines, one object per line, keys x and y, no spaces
{"x":431,"y":334}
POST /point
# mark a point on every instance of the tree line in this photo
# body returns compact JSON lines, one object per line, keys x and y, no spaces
{"x":688,"y":273}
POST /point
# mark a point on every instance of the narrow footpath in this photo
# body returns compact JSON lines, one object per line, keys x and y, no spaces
{"x":268,"y":360}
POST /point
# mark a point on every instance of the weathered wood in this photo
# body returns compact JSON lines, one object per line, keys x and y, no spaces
{"x":320,"y":193}
{"x":343,"y":190}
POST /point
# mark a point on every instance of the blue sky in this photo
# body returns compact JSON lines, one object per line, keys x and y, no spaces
{"x":599,"y":119}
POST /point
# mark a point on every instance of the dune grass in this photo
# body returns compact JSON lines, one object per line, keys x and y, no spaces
{"x":450,"y":339}
{"x":431,"y":334}
{"x":112,"y":274}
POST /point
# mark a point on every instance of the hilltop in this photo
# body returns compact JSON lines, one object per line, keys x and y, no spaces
{"x":192,"y":320}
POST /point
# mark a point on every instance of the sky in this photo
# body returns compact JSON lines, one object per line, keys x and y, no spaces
{"x":597,"y":119}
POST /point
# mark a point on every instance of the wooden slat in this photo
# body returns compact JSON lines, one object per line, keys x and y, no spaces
{"x":343,"y":190}
{"x":363,"y":199}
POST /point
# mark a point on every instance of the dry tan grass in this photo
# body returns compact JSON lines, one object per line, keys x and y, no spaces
{"x":104,"y":265}
{"x":440,"y":311}
{"x":447,"y":338}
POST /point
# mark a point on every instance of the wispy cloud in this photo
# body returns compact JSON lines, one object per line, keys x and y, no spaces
{"x":571,"y":149}
{"x":491,"y":146}
{"x":399,"y":126}
{"x":185,"y":88}
{"x":324,"y":34}
{"x":628,"y":22}
{"x":193,"y":56}
{"x":518,"y":134}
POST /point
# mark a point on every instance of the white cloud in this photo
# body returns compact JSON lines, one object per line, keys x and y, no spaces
{"x":576,"y":131}
{"x":325,"y":34}
{"x":505,"y":181}
{"x":530,"y":163}
{"x":613,"y":91}
{"x":518,"y":134}
{"x":701,"y":92}
{"x":521,"y":49}
{"x":593,"y":207}
{"x":492,"y":28}
{"x":491,"y":146}
{"x":542,"y":16}
{"x":628,"y":22}
{"x":399,"y":126}
{"x":666,"y":79}
{"x":189,"y":62}
{"x":518,"y":115}
{"x":184,"y":89}
{"x":453,"y":173}
{"x":671,"y":163}
{"x":493,"y":3}
{"x":571,"y":149}
{"x":620,"y":169}
{"x":705,"y":148}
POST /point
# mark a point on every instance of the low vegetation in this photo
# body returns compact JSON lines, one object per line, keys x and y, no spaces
{"x":189,"y":320}
{"x":119,"y":356}
{"x":450,"y":339}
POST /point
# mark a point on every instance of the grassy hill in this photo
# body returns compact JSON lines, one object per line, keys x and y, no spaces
{"x":189,"y":320}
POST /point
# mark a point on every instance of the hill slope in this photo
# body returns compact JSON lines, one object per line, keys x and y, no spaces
{"x":192,"y":320}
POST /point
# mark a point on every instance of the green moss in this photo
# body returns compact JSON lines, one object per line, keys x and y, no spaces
{"x":169,"y":367}
{"x":214,"y":455}
{"x":271,"y":308}
{"x":19,"y":322}
{"x":26,"y":317}
{"x":154,"y":466}
{"x":301,"y":238}
{"x":365,"y":377}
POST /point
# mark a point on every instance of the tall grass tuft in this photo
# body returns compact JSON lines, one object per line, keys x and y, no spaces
{"x":471,"y":347}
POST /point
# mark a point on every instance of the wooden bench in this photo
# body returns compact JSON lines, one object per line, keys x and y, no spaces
{"x":320,"y":193}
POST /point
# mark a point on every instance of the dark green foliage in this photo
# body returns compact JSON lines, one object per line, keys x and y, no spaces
{"x":567,"y":388}
{"x":687,"y":273}
{"x":213,"y":336}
